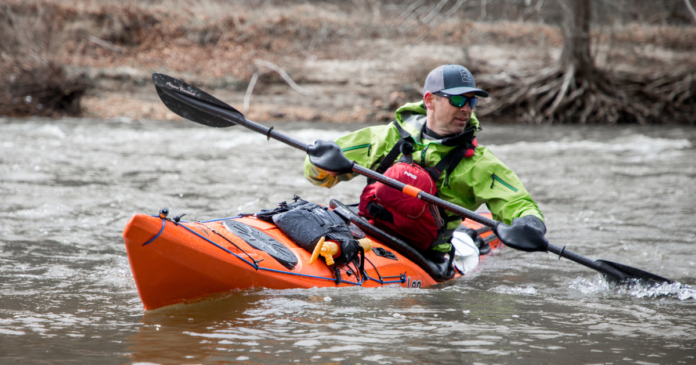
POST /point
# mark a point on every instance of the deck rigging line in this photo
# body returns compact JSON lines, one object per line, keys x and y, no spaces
{"x":256,"y":266}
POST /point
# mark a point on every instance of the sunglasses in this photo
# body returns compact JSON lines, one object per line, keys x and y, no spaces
{"x":459,"y":100}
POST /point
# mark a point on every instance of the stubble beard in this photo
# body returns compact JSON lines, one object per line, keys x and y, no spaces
{"x":456,"y":127}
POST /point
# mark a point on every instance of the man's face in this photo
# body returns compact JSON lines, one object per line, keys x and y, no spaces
{"x":443,"y":117}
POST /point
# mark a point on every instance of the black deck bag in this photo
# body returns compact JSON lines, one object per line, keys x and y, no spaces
{"x":306,"y":223}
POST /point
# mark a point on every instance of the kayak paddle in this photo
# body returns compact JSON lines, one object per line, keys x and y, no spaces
{"x":201,"y":107}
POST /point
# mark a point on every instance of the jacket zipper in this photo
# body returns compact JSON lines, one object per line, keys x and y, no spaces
{"x":368,"y":146}
{"x":496,"y":178}
{"x":423,"y":154}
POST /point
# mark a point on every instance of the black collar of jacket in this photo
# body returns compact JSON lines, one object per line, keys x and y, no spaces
{"x":462,"y":138}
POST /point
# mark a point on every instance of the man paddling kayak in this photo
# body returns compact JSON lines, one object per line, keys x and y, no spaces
{"x":436,"y":139}
{"x":525,"y":234}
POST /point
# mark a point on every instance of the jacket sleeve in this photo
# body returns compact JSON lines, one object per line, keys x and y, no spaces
{"x":366,"y":147}
{"x":489,"y":181}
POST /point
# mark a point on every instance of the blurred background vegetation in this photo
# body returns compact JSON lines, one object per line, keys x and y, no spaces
{"x":354,"y":61}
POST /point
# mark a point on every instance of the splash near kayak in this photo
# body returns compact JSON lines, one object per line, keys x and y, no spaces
{"x":174,"y":261}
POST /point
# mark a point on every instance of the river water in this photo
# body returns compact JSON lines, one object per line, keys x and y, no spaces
{"x":68,"y":187}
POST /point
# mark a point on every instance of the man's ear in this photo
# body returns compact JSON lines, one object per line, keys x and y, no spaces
{"x":429,"y":100}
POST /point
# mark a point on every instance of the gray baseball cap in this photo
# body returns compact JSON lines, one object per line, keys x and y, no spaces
{"x":452,"y":80}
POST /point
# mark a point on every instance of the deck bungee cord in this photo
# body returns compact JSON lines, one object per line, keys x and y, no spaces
{"x":255,"y":264}
{"x":402,"y":277}
{"x":164,"y":221}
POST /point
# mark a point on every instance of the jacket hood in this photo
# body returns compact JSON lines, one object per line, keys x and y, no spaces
{"x":412,"y":117}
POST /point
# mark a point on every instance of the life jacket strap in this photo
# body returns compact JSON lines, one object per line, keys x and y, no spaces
{"x":378,"y":211}
{"x":389,"y":159}
{"x":402,"y":132}
{"x":444,"y":236}
{"x":451,"y":161}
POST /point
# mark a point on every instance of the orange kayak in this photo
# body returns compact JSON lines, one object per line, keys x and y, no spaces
{"x":178,"y":262}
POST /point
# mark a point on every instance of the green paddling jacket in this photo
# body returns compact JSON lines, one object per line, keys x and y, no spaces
{"x":480,"y":179}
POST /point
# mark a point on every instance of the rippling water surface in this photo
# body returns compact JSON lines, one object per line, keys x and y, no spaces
{"x":67,"y":295}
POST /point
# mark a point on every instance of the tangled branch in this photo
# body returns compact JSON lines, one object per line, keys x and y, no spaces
{"x":556,"y":96}
{"x":255,"y":79}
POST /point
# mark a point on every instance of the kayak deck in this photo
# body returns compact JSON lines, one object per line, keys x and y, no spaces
{"x":185,"y":261}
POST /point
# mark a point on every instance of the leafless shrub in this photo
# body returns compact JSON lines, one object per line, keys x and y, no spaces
{"x":39,"y":89}
{"x":30,"y":82}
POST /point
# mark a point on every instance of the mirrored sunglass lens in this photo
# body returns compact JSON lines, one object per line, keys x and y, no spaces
{"x":458,"y":100}
{"x":473,"y":102}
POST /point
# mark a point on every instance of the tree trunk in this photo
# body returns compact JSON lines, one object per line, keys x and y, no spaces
{"x":579,"y":92}
{"x":576,"y":36}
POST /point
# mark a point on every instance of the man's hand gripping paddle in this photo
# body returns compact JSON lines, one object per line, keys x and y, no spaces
{"x":200,"y":107}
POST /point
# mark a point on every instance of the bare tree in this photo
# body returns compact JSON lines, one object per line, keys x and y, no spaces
{"x":576,"y":35}
{"x":577,"y":91}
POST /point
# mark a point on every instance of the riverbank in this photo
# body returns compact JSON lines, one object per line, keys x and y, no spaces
{"x":352,"y":64}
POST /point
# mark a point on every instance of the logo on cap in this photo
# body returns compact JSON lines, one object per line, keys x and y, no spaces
{"x":466,"y":76}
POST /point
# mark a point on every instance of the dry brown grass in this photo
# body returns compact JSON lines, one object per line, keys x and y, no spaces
{"x":220,"y":37}
{"x":679,"y":38}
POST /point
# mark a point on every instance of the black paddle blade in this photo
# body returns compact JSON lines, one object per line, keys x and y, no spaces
{"x":632,"y":273}
{"x":185,"y":100}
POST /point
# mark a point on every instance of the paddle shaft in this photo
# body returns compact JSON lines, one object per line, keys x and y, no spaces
{"x":562,"y":252}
